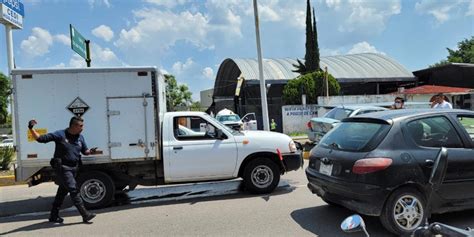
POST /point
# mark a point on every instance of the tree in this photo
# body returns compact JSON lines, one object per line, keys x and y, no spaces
{"x":196,"y":106}
{"x":5,"y":92}
{"x":176,"y":95}
{"x":310,"y":84}
{"x":464,"y":53}
{"x":311,"y":57}
{"x":315,"y":44}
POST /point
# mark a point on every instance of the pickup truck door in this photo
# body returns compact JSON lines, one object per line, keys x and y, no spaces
{"x":194,"y":154}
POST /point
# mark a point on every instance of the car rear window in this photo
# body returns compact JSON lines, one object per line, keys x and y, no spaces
{"x":355,"y":136}
{"x":338,"y":113}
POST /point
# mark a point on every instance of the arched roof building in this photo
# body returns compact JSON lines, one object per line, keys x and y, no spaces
{"x":347,"y":69}
{"x":357,"y":74}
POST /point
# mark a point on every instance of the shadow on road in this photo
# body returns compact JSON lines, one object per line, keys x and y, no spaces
{"x":122,"y":203}
{"x":326,"y":220}
{"x":38,"y":226}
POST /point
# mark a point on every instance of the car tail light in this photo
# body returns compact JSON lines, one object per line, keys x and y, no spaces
{"x":309,"y":125}
{"x":370,"y":165}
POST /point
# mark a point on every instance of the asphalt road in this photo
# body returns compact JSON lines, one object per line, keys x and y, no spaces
{"x":290,"y":211}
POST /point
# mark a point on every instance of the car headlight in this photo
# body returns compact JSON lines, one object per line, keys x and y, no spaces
{"x":292,"y":146}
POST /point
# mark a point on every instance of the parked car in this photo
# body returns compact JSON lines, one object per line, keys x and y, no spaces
{"x":317,"y":127}
{"x":7,"y":143}
{"x":378,"y":164}
{"x":232,"y":120}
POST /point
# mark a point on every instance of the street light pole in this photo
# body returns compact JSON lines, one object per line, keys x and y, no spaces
{"x":263,"y":94}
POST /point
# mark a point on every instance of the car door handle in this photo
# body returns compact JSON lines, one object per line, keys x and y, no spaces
{"x":177,"y":148}
{"x":429,"y":163}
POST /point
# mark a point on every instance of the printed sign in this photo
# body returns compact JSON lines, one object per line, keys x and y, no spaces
{"x":78,"y":42}
{"x":13,"y":12}
{"x":295,"y":117}
{"x":40,"y":131}
{"x":78,"y":107}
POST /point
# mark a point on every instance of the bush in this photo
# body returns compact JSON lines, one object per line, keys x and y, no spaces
{"x":311,"y":84}
{"x":6,"y":157}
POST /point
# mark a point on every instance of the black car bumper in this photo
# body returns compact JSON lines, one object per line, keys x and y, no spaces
{"x":292,"y":161}
{"x":363,"y":198}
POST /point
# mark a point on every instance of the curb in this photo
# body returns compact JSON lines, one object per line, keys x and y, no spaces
{"x":9,"y":180}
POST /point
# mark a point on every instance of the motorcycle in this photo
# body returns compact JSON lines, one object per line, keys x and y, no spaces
{"x":355,"y":223}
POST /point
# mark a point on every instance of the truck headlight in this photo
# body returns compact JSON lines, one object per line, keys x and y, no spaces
{"x":292,"y":146}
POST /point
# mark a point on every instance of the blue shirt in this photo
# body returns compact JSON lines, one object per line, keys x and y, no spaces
{"x":68,"y":147}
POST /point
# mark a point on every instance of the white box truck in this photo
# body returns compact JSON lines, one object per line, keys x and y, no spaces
{"x":124,"y":112}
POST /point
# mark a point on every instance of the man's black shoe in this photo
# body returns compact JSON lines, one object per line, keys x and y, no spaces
{"x":56,"y":219}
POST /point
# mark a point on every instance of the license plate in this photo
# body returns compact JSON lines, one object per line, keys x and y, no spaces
{"x":325,"y":169}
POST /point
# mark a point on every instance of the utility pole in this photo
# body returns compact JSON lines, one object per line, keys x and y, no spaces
{"x":263,"y":94}
{"x":326,"y":79}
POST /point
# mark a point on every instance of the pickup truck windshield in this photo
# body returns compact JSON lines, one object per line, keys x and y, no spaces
{"x":228,"y":118}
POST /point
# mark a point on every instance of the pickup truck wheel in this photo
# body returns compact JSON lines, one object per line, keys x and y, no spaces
{"x":404,"y":211}
{"x":97,"y":189}
{"x":261,"y":176}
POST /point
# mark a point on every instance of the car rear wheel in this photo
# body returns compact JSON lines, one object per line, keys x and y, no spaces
{"x":404,"y":211}
{"x":261,"y":175}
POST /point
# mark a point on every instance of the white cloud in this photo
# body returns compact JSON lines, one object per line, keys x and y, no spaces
{"x":159,"y":30}
{"x":101,"y":57}
{"x":180,"y":67}
{"x":331,"y":52}
{"x":207,"y":72}
{"x":38,"y":43}
{"x":77,"y":61}
{"x":442,"y":11}
{"x":470,"y":11}
{"x":364,"y":47}
{"x":167,"y":3}
{"x":335,"y":4}
{"x":104,"y":32}
{"x":164,"y":71}
{"x":93,"y":3}
{"x":61,"y":65}
{"x":365,"y":16}
{"x":63,"y":39}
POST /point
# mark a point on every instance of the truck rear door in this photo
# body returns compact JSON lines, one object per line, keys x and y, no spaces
{"x":131,"y":127}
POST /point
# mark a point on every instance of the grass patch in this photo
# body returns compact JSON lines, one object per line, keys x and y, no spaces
{"x":297,"y":134}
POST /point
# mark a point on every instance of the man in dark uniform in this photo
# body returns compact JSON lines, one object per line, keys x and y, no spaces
{"x":65,"y":162}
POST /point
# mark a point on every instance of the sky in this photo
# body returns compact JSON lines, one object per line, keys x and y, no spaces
{"x":190,"y":38}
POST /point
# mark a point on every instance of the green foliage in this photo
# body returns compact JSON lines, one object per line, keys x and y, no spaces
{"x":6,"y":157}
{"x":196,"y":106}
{"x":176,"y":95}
{"x":463,"y":54}
{"x":5,"y":92}
{"x":311,"y":84}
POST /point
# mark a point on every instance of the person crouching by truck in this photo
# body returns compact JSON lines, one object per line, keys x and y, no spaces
{"x":69,"y":144}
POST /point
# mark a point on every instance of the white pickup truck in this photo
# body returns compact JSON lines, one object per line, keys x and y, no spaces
{"x":124,"y":112}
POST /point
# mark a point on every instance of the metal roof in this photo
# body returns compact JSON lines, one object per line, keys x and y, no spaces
{"x":354,"y":68}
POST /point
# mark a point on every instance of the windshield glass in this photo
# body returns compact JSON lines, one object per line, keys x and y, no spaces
{"x":338,"y":113}
{"x":217,"y":122}
{"x":353,"y":136}
{"x":228,"y":118}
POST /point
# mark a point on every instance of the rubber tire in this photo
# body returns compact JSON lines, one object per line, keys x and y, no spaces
{"x":108,"y":184}
{"x":386,"y":218}
{"x":250,"y":186}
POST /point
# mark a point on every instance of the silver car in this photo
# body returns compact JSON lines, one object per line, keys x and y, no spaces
{"x":319,"y":126}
